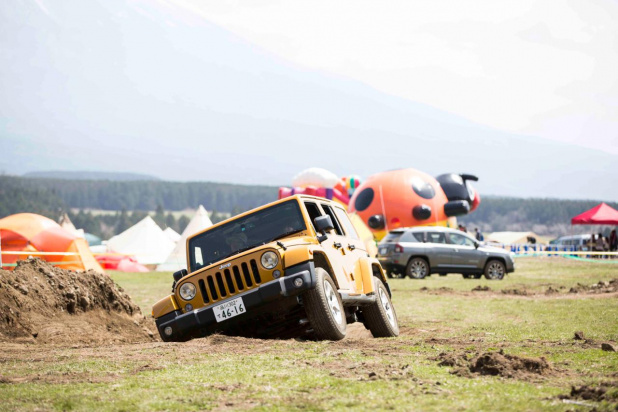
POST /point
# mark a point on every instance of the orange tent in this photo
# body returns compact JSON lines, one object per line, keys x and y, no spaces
{"x":30,"y":233}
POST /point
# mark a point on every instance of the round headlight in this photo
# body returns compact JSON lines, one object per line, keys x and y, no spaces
{"x":187,"y":291}
{"x":269,"y":260}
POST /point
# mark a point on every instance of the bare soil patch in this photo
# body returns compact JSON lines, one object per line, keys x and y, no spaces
{"x":594,"y":393}
{"x":600,"y":287}
{"x":437,"y":291}
{"x":40,"y":303}
{"x":480,"y":288}
{"x":516,"y":291}
{"x":607,"y":289}
{"x":496,"y":364}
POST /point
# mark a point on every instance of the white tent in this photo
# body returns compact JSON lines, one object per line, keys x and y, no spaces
{"x":515,"y":238}
{"x":172,"y":234}
{"x":178,"y":258}
{"x":145,"y":240}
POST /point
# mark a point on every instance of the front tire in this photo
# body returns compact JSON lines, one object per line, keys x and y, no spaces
{"x":380,"y":317}
{"x":324,"y":308}
{"x":417,"y":268}
{"x":495,"y":270}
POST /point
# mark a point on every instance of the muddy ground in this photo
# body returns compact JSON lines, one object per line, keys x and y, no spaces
{"x":51,"y":318}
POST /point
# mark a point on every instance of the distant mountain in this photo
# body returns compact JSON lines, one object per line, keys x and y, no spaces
{"x":148,"y":87}
{"x":85,"y":175}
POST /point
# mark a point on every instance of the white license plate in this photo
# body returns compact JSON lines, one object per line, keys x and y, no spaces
{"x":383,"y":251}
{"x":229,"y":309}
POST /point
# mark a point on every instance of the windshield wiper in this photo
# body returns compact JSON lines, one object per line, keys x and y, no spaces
{"x":284,"y":235}
{"x":241,"y":250}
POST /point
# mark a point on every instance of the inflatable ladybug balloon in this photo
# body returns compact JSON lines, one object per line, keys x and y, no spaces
{"x":408,"y":197}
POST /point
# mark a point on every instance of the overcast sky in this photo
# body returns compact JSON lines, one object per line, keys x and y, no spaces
{"x":545,"y":68}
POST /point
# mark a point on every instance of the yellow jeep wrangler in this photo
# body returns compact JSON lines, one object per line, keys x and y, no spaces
{"x":293,"y":268}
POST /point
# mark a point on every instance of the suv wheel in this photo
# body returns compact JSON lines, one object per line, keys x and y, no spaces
{"x":380,"y":317}
{"x":495,"y":270}
{"x":324,"y":308}
{"x":417,"y":268}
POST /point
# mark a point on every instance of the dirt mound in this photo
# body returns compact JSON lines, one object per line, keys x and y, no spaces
{"x":600,"y":287}
{"x":516,"y":291}
{"x":480,"y":288}
{"x":496,"y":364}
{"x":44,"y":304}
{"x":603,"y":392}
{"x":436,"y":291}
{"x":552,"y":291}
{"x":510,"y":366}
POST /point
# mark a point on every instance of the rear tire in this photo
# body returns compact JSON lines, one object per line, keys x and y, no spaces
{"x":380,"y":317}
{"x":495,"y":270}
{"x":417,"y":268}
{"x":324,"y":308}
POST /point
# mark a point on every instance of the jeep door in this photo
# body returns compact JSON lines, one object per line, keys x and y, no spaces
{"x":351,"y":248}
{"x":353,"y":240}
{"x":333,"y":247}
{"x":355,"y":247}
{"x":464,"y":254}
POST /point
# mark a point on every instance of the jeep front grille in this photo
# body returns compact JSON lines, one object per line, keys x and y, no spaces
{"x":230,"y":281}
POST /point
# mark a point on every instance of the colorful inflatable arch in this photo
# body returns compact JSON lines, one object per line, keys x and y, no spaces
{"x":30,"y":233}
{"x":320,"y":182}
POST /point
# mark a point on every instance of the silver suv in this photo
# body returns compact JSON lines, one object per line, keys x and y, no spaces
{"x":420,"y":251}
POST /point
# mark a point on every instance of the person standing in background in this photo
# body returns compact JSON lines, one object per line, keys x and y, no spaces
{"x":613,"y":242}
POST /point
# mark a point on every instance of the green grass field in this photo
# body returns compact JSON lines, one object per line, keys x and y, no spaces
{"x":437,"y":315}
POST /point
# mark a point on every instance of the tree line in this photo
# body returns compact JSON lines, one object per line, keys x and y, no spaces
{"x":147,"y":195}
{"x":131,"y":201}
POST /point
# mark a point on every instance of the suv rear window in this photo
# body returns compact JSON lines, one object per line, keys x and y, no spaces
{"x":413,"y":237}
{"x":393,"y":236}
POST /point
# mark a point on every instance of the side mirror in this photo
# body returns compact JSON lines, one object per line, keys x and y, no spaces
{"x":177,"y":276}
{"x":477,"y":244}
{"x":322,"y":224}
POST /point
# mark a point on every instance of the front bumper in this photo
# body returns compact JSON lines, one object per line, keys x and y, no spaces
{"x":202,"y":322}
{"x":510,"y":265}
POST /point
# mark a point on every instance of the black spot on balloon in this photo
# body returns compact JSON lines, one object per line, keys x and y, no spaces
{"x":421,"y":212}
{"x":364,"y":199}
{"x":422,"y":188}
{"x":376,"y":222}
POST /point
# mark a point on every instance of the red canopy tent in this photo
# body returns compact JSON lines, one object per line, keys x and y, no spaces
{"x":598,"y":215}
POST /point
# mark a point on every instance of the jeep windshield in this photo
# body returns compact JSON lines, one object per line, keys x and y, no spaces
{"x":245,"y":233}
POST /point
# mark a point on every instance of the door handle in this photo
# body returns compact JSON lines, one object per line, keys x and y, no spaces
{"x":351,"y":247}
{"x":337,"y":245}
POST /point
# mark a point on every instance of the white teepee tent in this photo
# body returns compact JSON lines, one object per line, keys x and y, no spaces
{"x":145,"y":240}
{"x":178,"y":258}
{"x":172,"y":234}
